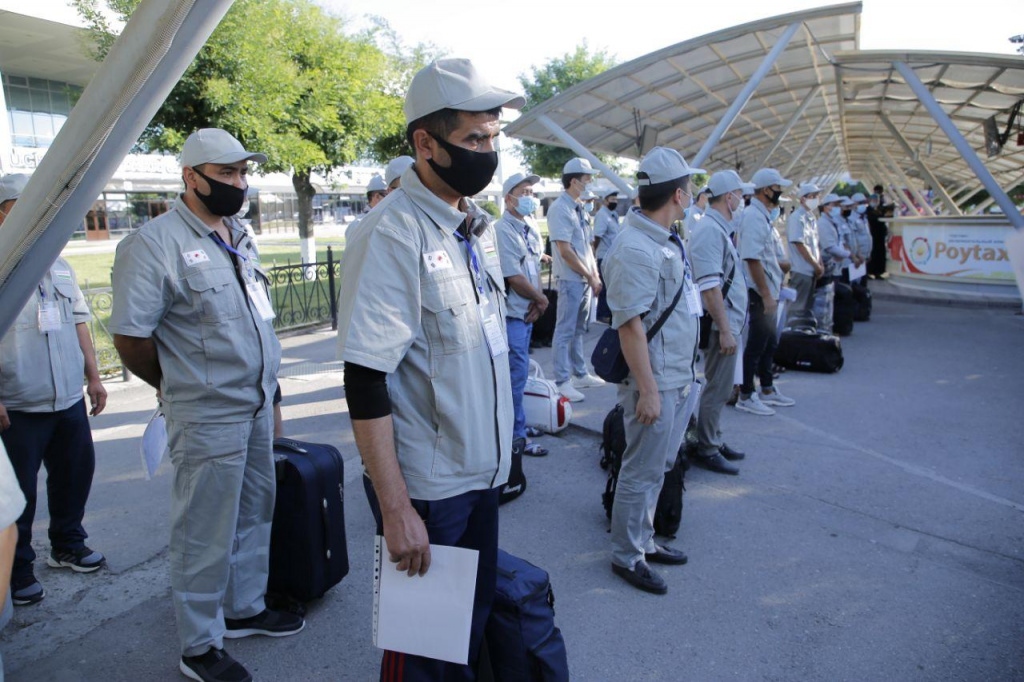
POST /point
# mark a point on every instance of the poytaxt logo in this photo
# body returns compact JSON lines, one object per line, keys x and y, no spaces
{"x":920,"y":251}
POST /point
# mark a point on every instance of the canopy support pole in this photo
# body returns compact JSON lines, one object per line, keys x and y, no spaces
{"x":789,"y":124}
{"x":745,"y":94}
{"x":966,"y":152}
{"x":573,"y":144}
{"x":805,"y":145}
{"x":991,"y":200}
{"x":904,"y":179}
{"x":921,"y":167}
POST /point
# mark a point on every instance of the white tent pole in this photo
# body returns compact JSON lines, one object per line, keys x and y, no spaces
{"x":789,"y":124}
{"x":921,"y":167}
{"x":1010,"y":186}
{"x":573,"y":144}
{"x":1011,"y":212}
{"x":904,"y":178}
{"x":745,"y":94}
{"x":806,"y":144}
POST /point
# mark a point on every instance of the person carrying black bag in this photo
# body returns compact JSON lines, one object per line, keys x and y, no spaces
{"x":649,"y":257}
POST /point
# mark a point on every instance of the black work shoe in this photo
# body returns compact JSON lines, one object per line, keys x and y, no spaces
{"x":268,"y":623}
{"x":26,"y":592}
{"x":730,"y":454}
{"x":715,"y":463}
{"x":213,"y":666}
{"x":667,"y":555}
{"x":81,"y":560}
{"x":642,"y":577}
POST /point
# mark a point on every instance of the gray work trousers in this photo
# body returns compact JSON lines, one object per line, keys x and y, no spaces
{"x":650,"y":452}
{"x":570,"y":325}
{"x":222,"y":505}
{"x":804,"y":285}
{"x":719,"y":372}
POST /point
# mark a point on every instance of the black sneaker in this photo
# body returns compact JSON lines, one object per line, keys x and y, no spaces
{"x":268,"y":623}
{"x":26,"y":592}
{"x":213,"y":666}
{"x":642,"y":577}
{"x":667,"y":555}
{"x":81,"y":560}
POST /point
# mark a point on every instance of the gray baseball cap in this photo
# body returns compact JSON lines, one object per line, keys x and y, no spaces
{"x":724,"y":182}
{"x":396,"y":167}
{"x":454,"y":84}
{"x":807,"y":188}
{"x":766,"y":177}
{"x":11,"y":186}
{"x":662,"y":164}
{"x":376,"y":184}
{"x":213,"y":145}
{"x":517,"y":179}
{"x":579,"y":165}
{"x":859,"y":197}
{"x":831,"y":198}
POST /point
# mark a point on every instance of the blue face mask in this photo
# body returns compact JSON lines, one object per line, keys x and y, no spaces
{"x":527,"y":205}
{"x":774,"y":215}
{"x":862,"y":208}
{"x":834,"y":212}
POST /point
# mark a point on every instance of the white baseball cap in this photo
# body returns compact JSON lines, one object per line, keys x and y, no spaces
{"x":396,"y":167}
{"x":516,"y":180}
{"x":859,"y":197}
{"x":845,"y":201}
{"x":213,"y":145}
{"x":579,"y":165}
{"x":830,"y":198}
{"x":454,"y":84}
{"x":748,"y":188}
{"x":376,"y":184}
{"x":724,"y":182}
{"x":610,"y":192}
{"x":807,"y":188}
{"x":11,"y":186}
{"x":662,"y":164}
{"x":766,"y":177}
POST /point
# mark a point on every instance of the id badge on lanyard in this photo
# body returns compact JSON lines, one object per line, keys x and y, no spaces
{"x":49,"y":313}
{"x":693,"y":304}
{"x":489,"y":321}
{"x":253,"y":289}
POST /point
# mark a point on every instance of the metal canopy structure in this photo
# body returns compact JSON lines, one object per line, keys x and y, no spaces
{"x":762,"y":92}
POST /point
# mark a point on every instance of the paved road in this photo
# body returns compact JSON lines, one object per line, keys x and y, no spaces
{"x":875,"y":532}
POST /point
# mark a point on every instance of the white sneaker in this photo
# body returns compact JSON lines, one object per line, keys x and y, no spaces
{"x":753,"y":405}
{"x":773,"y":397}
{"x":566,"y":389}
{"x":587,"y":381}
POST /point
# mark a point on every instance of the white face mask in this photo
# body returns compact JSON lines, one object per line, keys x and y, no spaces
{"x":812,"y":204}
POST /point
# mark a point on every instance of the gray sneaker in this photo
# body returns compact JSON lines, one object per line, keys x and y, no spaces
{"x":753,"y":405}
{"x":771,"y":396}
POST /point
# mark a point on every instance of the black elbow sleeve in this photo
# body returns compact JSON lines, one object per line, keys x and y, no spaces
{"x":366,"y":391}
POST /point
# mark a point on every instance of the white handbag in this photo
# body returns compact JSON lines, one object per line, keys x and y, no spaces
{"x":545,"y":407}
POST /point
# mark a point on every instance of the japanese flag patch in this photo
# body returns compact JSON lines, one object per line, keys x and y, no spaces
{"x":437,"y":260}
{"x":195,"y":257}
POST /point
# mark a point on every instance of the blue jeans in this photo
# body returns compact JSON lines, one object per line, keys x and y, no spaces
{"x":469,"y":520}
{"x":570,"y":324}
{"x":62,"y":442}
{"x":519,"y":367}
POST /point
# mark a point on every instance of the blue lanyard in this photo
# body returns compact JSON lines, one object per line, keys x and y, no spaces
{"x":679,"y":242}
{"x":526,"y":238}
{"x":472,"y":259}
{"x":231,"y":249}
{"x":42,"y":292}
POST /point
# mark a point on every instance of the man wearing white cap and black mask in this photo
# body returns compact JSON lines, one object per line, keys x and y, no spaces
{"x":763,"y":274}
{"x":521,"y":251}
{"x":575,"y":268}
{"x":421,"y":329}
{"x":649,"y":281}
{"x":394,"y":170}
{"x":192,"y":318}
{"x":606,"y":230}
{"x":802,"y":233}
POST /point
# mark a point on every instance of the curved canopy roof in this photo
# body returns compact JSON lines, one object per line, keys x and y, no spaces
{"x":676,"y":96}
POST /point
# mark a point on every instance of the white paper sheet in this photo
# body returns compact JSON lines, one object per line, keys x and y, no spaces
{"x":153,"y":444}
{"x":426,"y":615}
{"x":858,"y":272}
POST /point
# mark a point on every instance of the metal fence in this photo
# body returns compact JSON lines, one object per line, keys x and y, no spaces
{"x":303,"y":295}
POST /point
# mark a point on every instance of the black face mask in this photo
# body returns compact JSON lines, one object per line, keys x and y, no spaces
{"x":470,"y":171}
{"x":613,"y":205}
{"x":224,"y":199}
{"x":774,"y":196}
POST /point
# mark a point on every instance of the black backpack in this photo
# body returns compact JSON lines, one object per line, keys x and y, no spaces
{"x":669,"y":512}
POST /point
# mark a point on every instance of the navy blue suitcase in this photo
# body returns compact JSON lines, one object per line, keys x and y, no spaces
{"x":523,"y":644}
{"x":308,"y":549}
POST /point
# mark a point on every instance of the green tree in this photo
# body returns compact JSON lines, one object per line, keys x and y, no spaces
{"x":284,"y":78}
{"x":554,"y":77}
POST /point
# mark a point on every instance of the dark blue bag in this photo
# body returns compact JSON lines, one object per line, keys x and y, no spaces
{"x":609,"y":362}
{"x":523,"y":643}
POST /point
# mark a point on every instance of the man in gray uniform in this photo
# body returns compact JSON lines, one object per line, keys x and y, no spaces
{"x":575,"y":268}
{"x":719,"y":274}
{"x":43,"y":358}
{"x":394,"y":170}
{"x":421,"y":331}
{"x":647,"y":267}
{"x":192,"y":318}
{"x":802,"y":233}
{"x":606,"y":229}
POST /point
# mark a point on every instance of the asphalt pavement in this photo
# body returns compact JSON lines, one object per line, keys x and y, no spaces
{"x":876,"y":532}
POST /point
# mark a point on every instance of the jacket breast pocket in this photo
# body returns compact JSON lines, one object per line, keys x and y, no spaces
{"x":212,"y":291}
{"x":449,"y":319}
{"x":65,"y":299}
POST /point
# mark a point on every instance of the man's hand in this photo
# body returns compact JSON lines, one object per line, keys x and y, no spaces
{"x":727,"y":342}
{"x":5,"y":421}
{"x":545,"y":258}
{"x":97,"y":395}
{"x":407,"y":540}
{"x":648,"y":407}
{"x":771,"y":306}
{"x":819,"y":270}
{"x":595,"y":284}
{"x":536,"y":309}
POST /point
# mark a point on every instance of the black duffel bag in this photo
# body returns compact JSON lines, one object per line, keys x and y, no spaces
{"x":809,"y":350}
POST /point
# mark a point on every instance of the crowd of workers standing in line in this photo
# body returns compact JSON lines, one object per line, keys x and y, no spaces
{"x":434,"y":324}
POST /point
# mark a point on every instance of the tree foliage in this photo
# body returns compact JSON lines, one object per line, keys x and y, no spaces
{"x":546,"y":81}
